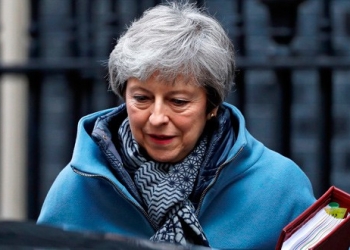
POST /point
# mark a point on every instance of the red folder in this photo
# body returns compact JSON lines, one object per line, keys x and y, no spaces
{"x":339,"y":238}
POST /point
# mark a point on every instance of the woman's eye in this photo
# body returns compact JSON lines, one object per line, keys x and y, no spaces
{"x":140,"y":98}
{"x":179,"y":102}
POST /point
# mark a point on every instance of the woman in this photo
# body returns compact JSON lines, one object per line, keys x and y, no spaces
{"x":175,"y":163}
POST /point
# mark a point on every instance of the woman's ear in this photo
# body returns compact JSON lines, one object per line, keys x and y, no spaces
{"x":212,"y":113}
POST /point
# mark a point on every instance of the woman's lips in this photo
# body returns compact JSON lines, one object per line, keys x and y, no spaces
{"x":161,"y":139}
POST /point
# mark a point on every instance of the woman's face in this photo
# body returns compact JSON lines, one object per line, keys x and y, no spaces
{"x":166,"y":119}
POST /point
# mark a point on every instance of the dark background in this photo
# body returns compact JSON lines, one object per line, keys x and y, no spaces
{"x":293,"y":71}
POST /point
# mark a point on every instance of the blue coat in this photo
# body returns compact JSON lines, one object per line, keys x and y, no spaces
{"x":253,"y":195}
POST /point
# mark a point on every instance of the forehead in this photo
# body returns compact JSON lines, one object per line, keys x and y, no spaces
{"x":170,"y":79}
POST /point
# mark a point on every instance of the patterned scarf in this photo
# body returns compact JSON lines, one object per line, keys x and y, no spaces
{"x":165,"y":189}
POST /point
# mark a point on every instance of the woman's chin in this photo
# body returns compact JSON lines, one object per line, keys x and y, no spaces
{"x":164,"y":157}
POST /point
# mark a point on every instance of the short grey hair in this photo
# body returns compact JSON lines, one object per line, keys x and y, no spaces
{"x":172,"y":39}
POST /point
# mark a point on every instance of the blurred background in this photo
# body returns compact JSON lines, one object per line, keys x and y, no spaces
{"x":293,"y":73}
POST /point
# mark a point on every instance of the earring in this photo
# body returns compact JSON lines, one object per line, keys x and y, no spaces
{"x":212,"y":115}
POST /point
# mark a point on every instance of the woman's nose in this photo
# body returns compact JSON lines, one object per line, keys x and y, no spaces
{"x":158,"y":115}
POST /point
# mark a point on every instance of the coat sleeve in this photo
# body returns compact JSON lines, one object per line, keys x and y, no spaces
{"x":81,"y":203}
{"x":251,"y":209}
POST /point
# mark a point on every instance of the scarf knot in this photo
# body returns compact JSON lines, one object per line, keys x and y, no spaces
{"x":165,"y":189}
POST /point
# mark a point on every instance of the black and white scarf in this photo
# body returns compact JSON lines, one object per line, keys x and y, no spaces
{"x":165,"y":189}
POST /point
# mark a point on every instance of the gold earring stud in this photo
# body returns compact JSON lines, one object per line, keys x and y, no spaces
{"x":212,"y":115}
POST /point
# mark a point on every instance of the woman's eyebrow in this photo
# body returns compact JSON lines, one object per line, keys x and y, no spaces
{"x":137,"y":87}
{"x":181,"y":91}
